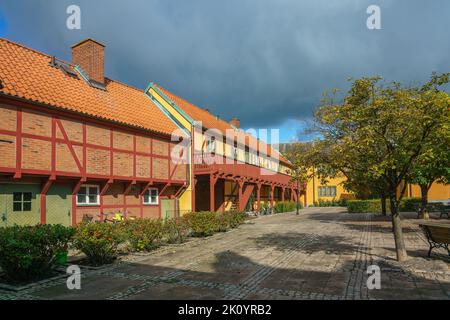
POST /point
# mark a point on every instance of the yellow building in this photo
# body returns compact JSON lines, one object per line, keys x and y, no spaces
{"x":437,"y":192}
{"x":334,"y":190}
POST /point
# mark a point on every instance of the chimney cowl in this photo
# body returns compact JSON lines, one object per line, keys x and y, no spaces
{"x":235,"y":122}
{"x":89,"y":54}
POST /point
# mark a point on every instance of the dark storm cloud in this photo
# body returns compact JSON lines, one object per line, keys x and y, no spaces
{"x":262,"y":61}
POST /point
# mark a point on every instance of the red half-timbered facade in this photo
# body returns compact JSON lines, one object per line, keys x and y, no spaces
{"x":102,"y":142}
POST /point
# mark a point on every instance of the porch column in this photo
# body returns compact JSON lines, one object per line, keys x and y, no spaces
{"x":212,"y":189}
{"x":272,"y":196}
{"x":258,"y":195}
{"x":282,"y":193}
{"x":240,"y":192}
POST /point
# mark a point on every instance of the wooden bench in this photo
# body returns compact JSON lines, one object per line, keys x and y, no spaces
{"x":437,"y":234}
{"x":444,"y":210}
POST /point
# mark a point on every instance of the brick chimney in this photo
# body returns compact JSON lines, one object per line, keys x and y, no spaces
{"x":236,"y":122}
{"x":90,"y":55}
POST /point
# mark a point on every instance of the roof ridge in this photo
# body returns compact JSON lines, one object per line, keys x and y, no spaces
{"x":196,"y":106}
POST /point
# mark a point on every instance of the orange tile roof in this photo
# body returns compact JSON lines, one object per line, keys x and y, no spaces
{"x":26,"y":73}
{"x":211,"y":121}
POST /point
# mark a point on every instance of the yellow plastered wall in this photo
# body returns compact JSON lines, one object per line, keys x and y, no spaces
{"x":437,"y":192}
{"x":312,"y":190}
{"x":185,"y":199}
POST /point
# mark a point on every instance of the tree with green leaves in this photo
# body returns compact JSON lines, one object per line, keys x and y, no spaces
{"x":433,"y":165}
{"x":378,"y":131}
{"x":301,"y":173}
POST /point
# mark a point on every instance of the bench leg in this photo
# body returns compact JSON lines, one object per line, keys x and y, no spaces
{"x":429,"y":251}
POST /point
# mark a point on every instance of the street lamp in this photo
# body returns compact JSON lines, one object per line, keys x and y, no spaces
{"x":298,"y":200}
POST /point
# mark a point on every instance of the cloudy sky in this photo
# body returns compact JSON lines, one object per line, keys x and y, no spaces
{"x":266,"y":62}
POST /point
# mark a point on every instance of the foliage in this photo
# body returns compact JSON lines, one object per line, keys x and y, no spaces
{"x":409,"y":204}
{"x":175,"y":230}
{"x":301,"y":157}
{"x":201,"y":224}
{"x":376,"y":134}
{"x":205,"y":223}
{"x":374,"y":205}
{"x":364,"y":206}
{"x":236,"y":218}
{"x":29,"y":252}
{"x":286,"y":206}
{"x":331,"y":203}
{"x":99,"y":241}
{"x":144,"y":234}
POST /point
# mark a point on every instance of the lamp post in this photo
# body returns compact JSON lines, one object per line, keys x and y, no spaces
{"x":298,"y":200}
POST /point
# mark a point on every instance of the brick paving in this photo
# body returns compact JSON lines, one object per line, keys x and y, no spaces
{"x":321,"y":254}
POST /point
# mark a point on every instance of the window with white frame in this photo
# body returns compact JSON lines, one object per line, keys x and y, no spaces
{"x":151,"y":196}
{"x":88,"y":195}
{"x":22,"y":201}
{"x":211,"y":144}
{"x":327,"y":191}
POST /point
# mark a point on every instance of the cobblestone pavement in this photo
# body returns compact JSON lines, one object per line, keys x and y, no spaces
{"x":321,"y":254}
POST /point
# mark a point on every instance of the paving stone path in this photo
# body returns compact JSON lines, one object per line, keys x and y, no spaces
{"x":323,"y":253}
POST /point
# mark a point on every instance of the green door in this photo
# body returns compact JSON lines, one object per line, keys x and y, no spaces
{"x":167,"y":208}
{"x":59,"y":205}
{"x":19,"y":204}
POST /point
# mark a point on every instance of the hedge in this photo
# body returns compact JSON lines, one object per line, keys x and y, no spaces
{"x":331,"y":203}
{"x":374,"y":205}
{"x":286,"y":206}
{"x":205,"y":223}
{"x":29,"y":252}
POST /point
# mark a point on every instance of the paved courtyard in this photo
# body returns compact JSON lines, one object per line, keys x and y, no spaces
{"x":321,"y":254}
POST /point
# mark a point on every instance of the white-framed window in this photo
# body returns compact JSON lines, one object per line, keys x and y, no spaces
{"x":211,"y":144}
{"x":22,"y":201}
{"x":327,"y":191}
{"x":89,"y":195}
{"x":151,"y":196}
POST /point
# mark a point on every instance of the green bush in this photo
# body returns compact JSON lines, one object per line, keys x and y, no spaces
{"x":175,"y":230}
{"x":374,"y":205}
{"x":236,"y":218}
{"x":205,"y":223}
{"x":99,"y":241}
{"x":409,"y":204}
{"x":286,"y":206}
{"x":201,"y":224}
{"x":331,"y":203}
{"x":364,"y":206}
{"x":29,"y":252}
{"x":144,"y":234}
{"x":222,"y":221}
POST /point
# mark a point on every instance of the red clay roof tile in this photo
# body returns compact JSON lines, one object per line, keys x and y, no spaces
{"x":26,"y":73}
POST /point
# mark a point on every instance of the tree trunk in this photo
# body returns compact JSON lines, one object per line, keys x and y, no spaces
{"x":383,"y":203}
{"x":424,"y":194}
{"x":397,"y":229}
